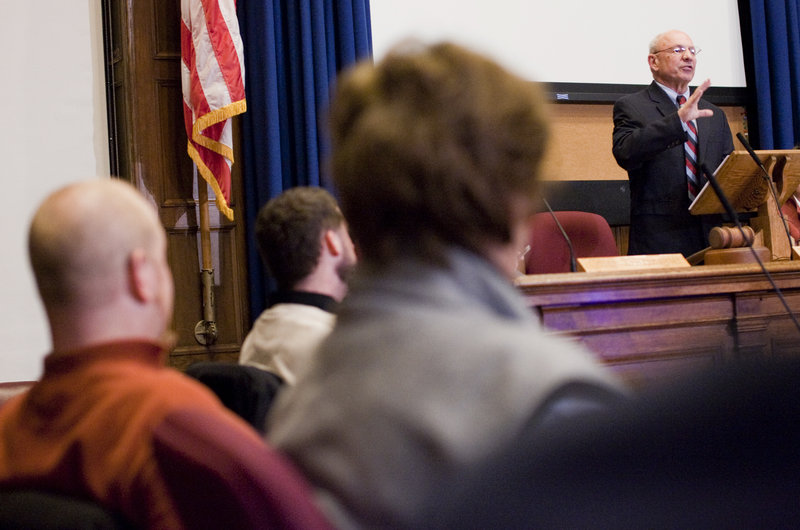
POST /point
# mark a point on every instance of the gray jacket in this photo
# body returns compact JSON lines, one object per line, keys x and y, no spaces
{"x":427,"y":371}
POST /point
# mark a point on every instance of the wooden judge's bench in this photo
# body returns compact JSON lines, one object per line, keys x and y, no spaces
{"x":650,"y":325}
{"x":652,"y":317}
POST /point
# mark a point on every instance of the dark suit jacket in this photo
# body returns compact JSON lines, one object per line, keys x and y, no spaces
{"x":648,"y":144}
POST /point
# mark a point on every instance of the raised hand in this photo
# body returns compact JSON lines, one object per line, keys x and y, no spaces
{"x":689,"y":110}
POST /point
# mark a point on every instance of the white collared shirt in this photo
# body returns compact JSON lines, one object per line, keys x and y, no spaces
{"x":673,"y":95}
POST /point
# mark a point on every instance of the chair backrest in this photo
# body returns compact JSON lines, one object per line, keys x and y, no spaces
{"x":220,"y":480}
{"x":790,"y":212}
{"x":246,"y":390}
{"x":590,"y":234}
{"x":714,"y":449}
{"x":44,"y":510}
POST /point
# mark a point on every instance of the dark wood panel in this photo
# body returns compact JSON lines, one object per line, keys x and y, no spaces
{"x":177,"y":184}
{"x":183,"y":256}
{"x":639,"y":344}
{"x":649,"y":313}
{"x":651,"y":326}
{"x":150,"y":142}
{"x":657,"y":370}
{"x":167,"y":30}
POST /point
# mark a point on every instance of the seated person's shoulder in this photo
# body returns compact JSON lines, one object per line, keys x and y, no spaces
{"x":243,"y":482}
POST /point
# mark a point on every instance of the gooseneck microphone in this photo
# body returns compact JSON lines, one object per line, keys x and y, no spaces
{"x":573,"y":265}
{"x":729,"y":209}
{"x":753,"y":155}
{"x":767,"y":177}
{"x":732,"y":213}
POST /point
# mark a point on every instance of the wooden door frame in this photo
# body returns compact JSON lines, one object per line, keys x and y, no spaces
{"x":125,"y":61}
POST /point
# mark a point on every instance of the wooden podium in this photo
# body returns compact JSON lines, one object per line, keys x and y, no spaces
{"x":747,"y":189}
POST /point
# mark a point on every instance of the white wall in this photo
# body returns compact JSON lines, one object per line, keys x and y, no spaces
{"x":53,"y":130}
{"x":579,"y":41}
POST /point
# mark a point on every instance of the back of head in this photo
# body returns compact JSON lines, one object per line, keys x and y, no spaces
{"x":288,"y":232}
{"x":430,"y":146}
{"x":81,"y":237}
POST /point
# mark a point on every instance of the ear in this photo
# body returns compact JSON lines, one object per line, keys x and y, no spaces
{"x":140,"y":277}
{"x":332,"y":242}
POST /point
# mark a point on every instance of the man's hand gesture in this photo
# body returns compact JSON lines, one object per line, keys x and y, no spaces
{"x":689,"y":110}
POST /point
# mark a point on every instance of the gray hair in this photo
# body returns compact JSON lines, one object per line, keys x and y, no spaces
{"x":654,"y":44}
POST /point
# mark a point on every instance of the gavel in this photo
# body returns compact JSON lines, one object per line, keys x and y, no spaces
{"x":730,"y":245}
{"x":727,"y":246}
{"x":730,"y":237}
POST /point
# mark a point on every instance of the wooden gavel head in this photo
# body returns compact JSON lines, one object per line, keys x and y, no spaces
{"x":730,"y":237}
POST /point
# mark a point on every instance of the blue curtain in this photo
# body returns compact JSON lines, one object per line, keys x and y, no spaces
{"x":771,"y":43}
{"x":293,"y":50}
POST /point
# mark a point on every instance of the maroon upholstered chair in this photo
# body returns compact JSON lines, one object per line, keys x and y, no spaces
{"x":218,"y":481}
{"x":792,"y":214}
{"x":589,"y":233}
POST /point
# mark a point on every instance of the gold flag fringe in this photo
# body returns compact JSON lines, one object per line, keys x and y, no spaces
{"x":208,"y":176}
{"x":216,"y":116}
{"x":207,"y":120}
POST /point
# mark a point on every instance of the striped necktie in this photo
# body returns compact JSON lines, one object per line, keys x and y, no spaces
{"x":690,"y":148}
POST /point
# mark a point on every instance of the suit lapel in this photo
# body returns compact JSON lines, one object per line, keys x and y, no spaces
{"x":665,"y":106}
{"x":661,"y":99}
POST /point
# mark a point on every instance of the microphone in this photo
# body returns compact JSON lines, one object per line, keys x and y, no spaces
{"x":573,"y":265}
{"x":729,"y":209}
{"x":765,"y":174}
{"x":753,"y":155}
{"x":733,"y":215}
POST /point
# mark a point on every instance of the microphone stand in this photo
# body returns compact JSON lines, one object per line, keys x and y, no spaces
{"x":768,"y":178}
{"x":733,"y":215}
{"x":573,"y":265}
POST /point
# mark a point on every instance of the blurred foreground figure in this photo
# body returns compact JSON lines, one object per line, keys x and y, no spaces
{"x":719,"y":450}
{"x":435,"y":360}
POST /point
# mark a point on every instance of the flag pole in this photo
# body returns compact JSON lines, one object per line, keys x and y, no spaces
{"x":212,"y":85}
{"x":205,"y":332}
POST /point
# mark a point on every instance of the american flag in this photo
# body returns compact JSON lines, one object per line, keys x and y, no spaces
{"x":212,"y":76}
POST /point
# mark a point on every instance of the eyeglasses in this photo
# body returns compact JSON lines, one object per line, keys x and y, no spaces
{"x":679,"y":50}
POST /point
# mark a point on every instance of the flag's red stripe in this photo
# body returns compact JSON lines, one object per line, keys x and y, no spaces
{"x":224,"y":49}
{"x":196,"y":104}
{"x":187,"y":56}
{"x":187,"y":119}
{"x":197,"y":98}
{"x":196,"y":94}
{"x":218,"y":165}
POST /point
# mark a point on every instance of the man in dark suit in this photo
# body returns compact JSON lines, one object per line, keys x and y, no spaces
{"x":661,"y":144}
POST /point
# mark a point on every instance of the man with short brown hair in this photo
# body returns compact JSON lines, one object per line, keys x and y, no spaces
{"x":304,"y":243}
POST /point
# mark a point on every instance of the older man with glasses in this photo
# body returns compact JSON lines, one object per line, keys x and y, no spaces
{"x":661,"y":136}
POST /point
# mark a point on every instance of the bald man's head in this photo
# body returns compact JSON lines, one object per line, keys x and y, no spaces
{"x":81,"y":240}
